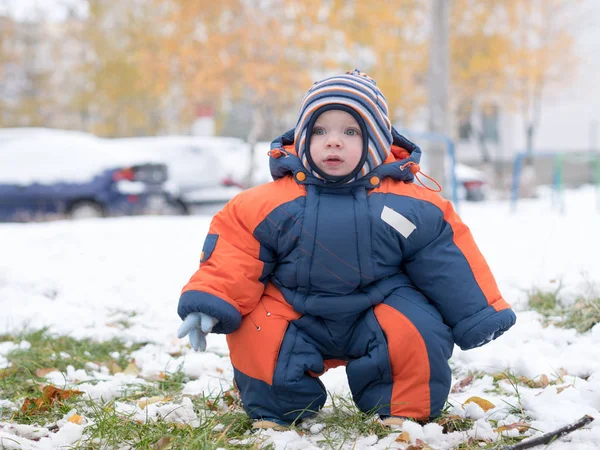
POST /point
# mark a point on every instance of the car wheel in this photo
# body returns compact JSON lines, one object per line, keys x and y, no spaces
{"x":181,"y":209}
{"x":86,"y":210}
{"x":176,"y":208}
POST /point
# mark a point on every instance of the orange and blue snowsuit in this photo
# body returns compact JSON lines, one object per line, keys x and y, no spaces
{"x":379,"y":275}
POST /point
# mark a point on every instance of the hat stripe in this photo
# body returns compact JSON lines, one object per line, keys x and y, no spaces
{"x":373,"y":153}
{"x":339,"y":87}
{"x":359,"y":83}
{"x":340,"y":81}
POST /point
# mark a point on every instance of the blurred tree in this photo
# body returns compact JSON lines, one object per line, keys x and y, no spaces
{"x":236,"y":52}
{"x":542,"y":56}
{"x":479,"y":55}
{"x":388,"y":40}
{"x":124,"y":81}
{"x":7,"y":60}
{"x":25,"y":72}
{"x":510,"y":52}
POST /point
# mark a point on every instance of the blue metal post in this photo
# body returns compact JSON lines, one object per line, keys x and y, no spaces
{"x":516,"y":180}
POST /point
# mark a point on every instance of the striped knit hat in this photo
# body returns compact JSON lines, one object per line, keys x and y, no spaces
{"x":359,"y":92}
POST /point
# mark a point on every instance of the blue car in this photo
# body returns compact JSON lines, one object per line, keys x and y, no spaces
{"x":41,"y":180}
{"x":113,"y":192}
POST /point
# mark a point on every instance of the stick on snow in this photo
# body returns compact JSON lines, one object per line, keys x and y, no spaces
{"x":552,"y":436}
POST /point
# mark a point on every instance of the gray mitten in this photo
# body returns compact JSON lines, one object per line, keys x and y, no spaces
{"x":197,"y":325}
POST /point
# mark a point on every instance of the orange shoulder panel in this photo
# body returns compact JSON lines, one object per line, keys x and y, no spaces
{"x":234,"y":268}
{"x":463,"y":238}
{"x":253,"y":205}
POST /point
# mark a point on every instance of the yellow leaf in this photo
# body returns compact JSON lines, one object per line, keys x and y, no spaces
{"x":132,"y":369}
{"x":486,"y":405}
{"x":75,"y":418}
{"x":404,"y":437}
{"x":150,"y":400}
{"x":114,"y":367}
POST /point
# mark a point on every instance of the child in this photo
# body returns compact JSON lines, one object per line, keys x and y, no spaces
{"x":342,"y":260}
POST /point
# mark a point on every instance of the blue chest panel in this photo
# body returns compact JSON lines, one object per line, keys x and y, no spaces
{"x":333,"y":243}
{"x":335,"y":267}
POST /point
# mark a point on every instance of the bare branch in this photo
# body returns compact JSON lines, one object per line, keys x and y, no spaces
{"x":551,"y":436}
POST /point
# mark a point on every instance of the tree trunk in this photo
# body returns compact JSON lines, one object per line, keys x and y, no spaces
{"x":529,"y":135}
{"x":258,"y":125}
{"x":483,"y":148}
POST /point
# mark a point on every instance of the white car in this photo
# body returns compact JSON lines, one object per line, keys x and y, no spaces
{"x":202,"y":169}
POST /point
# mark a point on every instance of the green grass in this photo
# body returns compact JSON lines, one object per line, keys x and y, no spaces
{"x":344,"y":423}
{"x":112,"y":430}
{"x":221,"y":418}
{"x":222,"y":423}
{"x":54,"y":352}
{"x":582,"y":314}
{"x":544,"y":302}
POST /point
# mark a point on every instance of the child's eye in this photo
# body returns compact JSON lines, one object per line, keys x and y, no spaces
{"x":352,"y":132}
{"x":318,"y":131}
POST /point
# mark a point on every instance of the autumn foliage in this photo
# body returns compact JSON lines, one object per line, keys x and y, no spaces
{"x":143,"y":67}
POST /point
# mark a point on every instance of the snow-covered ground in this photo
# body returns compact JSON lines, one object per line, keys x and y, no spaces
{"x":80,"y":278}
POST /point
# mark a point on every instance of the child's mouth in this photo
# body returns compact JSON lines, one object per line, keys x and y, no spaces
{"x":333,"y":161}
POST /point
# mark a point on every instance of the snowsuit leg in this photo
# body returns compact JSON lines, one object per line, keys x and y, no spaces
{"x":271,"y":359}
{"x":406,"y":346}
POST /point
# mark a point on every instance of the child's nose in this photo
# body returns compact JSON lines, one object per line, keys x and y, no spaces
{"x":333,"y":140}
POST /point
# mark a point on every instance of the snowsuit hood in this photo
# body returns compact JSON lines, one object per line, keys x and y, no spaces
{"x":404,"y":155}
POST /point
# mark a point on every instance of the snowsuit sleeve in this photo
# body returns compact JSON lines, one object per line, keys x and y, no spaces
{"x":444,"y":262}
{"x":233,"y":267}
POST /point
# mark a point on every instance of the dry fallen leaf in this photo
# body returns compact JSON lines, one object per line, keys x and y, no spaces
{"x":562,"y":388}
{"x":150,"y":400}
{"x":132,"y":369}
{"x":543,"y":381}
{"x":419,"y":445}
{"x":114,"y":367}
{"x":403,"y":437}
{"x":50,"y":395}
{"x":458,"y":387}
{"x":76,"y":419}
{"x":162,"y":443}
{"x":486,"y":405}
{"x":521,"y":426}
{"x":41,"y":373}
{"x":231,"y":397}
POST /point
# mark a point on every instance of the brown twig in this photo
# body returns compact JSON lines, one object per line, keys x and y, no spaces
{"x":552,"y":436}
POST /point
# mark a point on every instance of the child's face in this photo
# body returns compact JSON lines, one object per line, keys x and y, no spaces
{"x":336,"y":143}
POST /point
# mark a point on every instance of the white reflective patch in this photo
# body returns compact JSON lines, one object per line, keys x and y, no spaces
{"x":397,"y":221}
